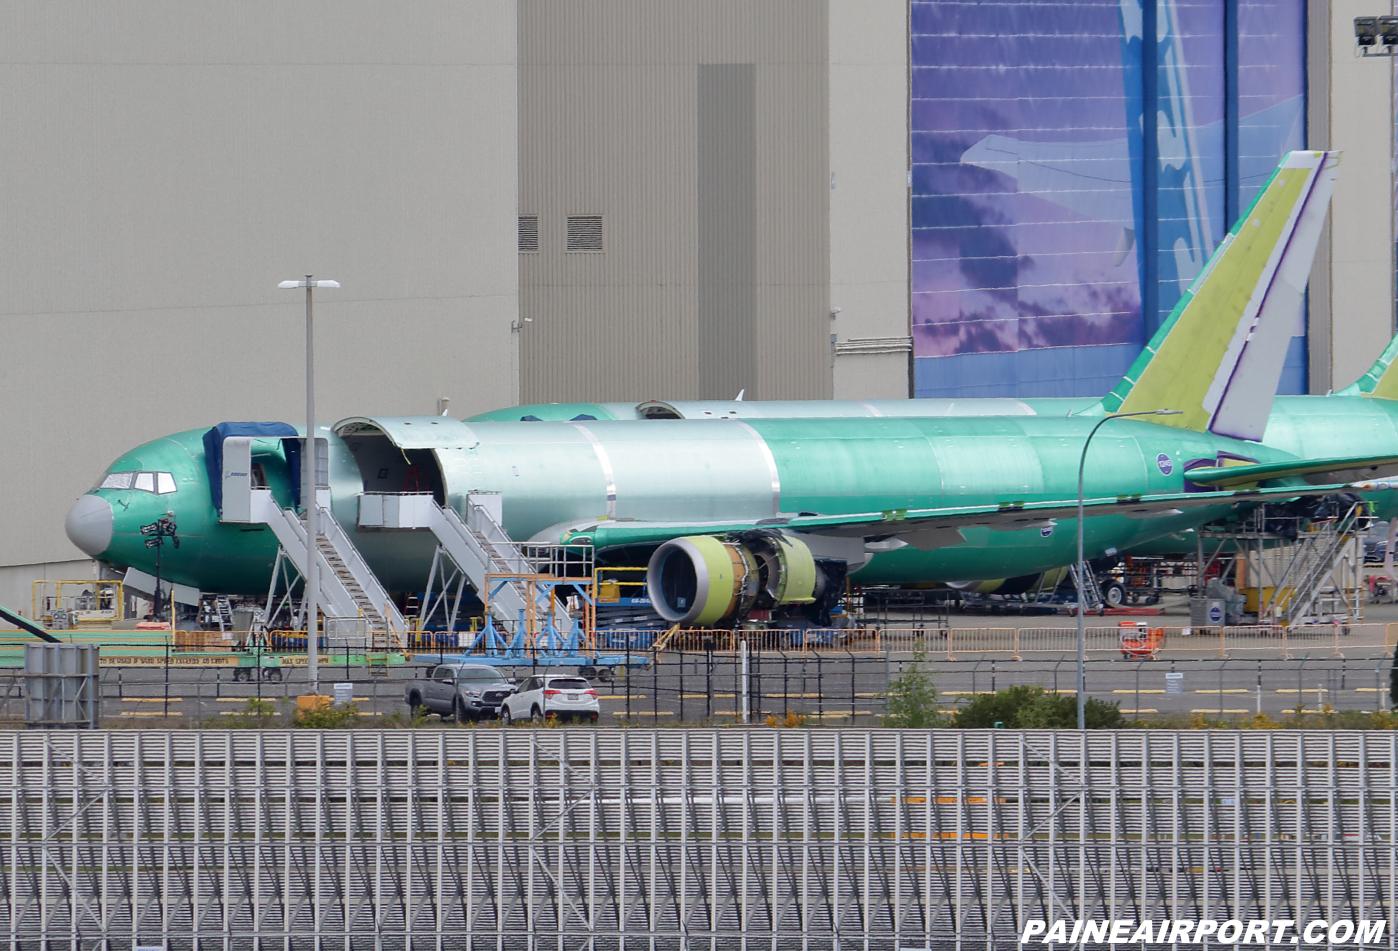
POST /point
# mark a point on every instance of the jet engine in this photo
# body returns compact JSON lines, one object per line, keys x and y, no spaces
{"x":701,"y":580}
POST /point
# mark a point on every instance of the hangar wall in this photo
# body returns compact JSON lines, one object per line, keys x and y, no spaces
{"x":167,"y":163}
{"x":697,"y":133}
{"x":1357,"y":314}
{"x":869,"y":198}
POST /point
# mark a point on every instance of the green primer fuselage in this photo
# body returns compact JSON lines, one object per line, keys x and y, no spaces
{"x":554,"y":483}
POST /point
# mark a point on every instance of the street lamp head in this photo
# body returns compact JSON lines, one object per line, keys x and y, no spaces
{"x":287,"y":285}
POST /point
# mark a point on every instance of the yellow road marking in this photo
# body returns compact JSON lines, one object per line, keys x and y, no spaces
{"x":1138,"y":691}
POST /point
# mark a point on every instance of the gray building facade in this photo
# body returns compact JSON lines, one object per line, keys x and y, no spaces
{"x":168,"y":163}
{"x":698,"y":134}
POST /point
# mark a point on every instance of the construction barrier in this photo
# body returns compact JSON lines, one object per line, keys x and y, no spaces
{"x":954,"y":643}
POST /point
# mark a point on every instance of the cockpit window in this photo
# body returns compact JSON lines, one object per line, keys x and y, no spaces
{"x":159,"y":483}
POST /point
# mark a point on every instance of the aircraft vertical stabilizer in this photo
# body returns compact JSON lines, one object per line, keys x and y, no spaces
{"x":1218,"y":357}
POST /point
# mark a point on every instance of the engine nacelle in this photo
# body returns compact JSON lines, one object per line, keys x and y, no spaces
{"x":700,"y":580}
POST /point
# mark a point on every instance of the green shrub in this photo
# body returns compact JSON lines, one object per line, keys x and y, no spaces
{"x":329,"y":717}
{"x":912,"y":699}
{"x":257,"y":715}
{"x":1031,"y":707}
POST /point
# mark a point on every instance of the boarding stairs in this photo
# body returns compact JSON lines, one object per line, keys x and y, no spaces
{"x":348,"y":587}
{"x":497,"y":568}
{"x":1085,"y":580}
{"x":223,"y":613}
{"x":1317,"y":571}
{"x":481,"y":547}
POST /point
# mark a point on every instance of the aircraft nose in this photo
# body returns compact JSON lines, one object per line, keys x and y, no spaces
{"x":89,"y":524}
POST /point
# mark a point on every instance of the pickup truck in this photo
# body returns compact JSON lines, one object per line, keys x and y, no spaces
{"x":460,"y":691}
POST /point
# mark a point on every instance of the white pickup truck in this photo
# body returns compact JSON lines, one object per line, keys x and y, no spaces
{"x":460,"y":691}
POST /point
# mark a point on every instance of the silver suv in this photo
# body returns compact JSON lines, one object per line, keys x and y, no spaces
{"x":460,"y":691}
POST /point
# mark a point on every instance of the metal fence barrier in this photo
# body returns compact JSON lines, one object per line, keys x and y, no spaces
{"x":661,"y":839}
{"x":827,"y":687}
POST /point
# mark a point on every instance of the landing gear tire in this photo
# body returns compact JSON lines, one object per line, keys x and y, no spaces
{"x":604,"y":674}
{"x":1115,"y":595}
{"x":239,"y":675}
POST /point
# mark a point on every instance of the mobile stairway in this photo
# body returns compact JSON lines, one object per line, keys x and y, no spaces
{"x":497,"y":568}
{"x":1295,"y":569}
{"x":1324,"y":578}
{"x":1085,"y":582}
{"x":348,"y":587}
{"x":525,"y":623}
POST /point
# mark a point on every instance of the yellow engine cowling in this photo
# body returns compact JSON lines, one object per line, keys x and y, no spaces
{"x":702,"y":580}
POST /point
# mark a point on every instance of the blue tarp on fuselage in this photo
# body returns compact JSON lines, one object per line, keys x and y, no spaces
{"x":213,"y":453}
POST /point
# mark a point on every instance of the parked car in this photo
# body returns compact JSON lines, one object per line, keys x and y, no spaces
{"x":544,"y":695}
{"x":461,"y":691}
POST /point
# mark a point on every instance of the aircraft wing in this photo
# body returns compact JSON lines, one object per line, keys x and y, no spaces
{"x":934,"y":528}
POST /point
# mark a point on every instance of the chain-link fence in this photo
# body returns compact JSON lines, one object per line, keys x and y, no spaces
{"x":832,"y":686}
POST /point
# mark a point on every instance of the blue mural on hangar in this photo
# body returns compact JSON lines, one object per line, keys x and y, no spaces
{"x":1052,"y":229}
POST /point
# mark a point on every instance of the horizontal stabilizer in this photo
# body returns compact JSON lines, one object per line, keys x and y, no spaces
{"x":1227,"y":476}
{"x":1379,"y":380}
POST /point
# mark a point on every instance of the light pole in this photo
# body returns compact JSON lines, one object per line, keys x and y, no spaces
{"x":1082,"y":632}
{"x":308,"y":489}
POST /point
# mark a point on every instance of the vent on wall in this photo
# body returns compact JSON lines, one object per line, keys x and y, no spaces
{"x":584,"y":232}
{"x":528,"y":233}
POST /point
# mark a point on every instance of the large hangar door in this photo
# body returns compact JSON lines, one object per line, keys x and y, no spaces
{"x":727,"y":231}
